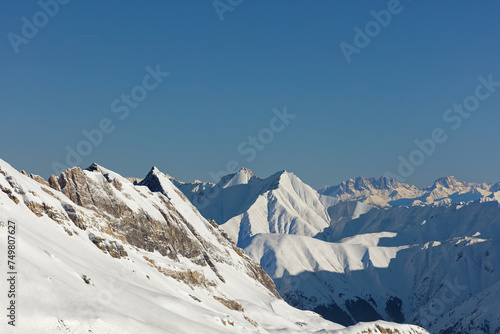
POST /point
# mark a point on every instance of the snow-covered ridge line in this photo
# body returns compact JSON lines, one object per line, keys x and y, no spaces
{"x":382,"y":192}
{"x":386,"y":192}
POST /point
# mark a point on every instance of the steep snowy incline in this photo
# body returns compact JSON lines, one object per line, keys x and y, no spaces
{"x":96,"y":254}
{"x":288,"y":207}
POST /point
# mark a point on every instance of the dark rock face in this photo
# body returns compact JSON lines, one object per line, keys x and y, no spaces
{"x":393,"y":309}
{"x":54,"y":183}
{"x":335,"y":314}
{"x":112,"y":247}
{"x":258,"y":273}
{"x":362,"y":311}
{"x":152,"y":182}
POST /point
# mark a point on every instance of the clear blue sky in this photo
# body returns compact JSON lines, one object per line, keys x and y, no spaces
{"x":227,"y":76}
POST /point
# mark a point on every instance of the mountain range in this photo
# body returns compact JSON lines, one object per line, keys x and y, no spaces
{"x":98,"y":253}
{"x":368,"y":248}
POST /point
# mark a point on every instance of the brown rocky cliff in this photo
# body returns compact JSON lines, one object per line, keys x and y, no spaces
{"x":171,"y":235}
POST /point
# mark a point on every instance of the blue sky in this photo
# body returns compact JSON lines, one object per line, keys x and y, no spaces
{"x":226,"y":77}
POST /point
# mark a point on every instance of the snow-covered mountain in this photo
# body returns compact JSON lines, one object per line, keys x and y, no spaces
{"x":386,"y":192}
{"x":97,"y":253}
{"x":246,"y":205}
{"x":369,"y":249}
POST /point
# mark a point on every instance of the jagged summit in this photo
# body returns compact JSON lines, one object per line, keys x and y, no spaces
{"x":448,"y":182}
{"x":155,"y":170}
{"x":152,"y":172}
{"x":370,"y":190}
{"x":94,"y":166}
{"x":245,"y":170}
{"x":246,"y":176}
{"x":363,"y":183}
{"x":152,"y":181}
{"x":386,"y":192}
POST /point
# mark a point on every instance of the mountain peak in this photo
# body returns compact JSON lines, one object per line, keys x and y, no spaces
{"x":447,"y":182}
{"x":155,"y":170}
{"x":93,"y":167}
{"x":362,"y":184}
{"x":246,"y":171}
{"x":277,"y":178}
{"x":153,"y":180}
{"x":371,"y":190}
{"x":243,"y":176}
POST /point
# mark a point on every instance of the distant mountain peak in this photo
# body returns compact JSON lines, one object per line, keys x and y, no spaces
{"x":93,"y":167}
{"x":243,"y":176}
{"x":447,"y":181}
{"x":152,"y":180}
{"x":155,"y":170}
{"x":246,"y":171}
{"x":94,"y":164}
{"x":364,"y":184}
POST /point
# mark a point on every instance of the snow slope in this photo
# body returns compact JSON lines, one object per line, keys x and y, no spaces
{"x":432,"y":266}
{"x":98,"y":254}
{"x":360,"y":280}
